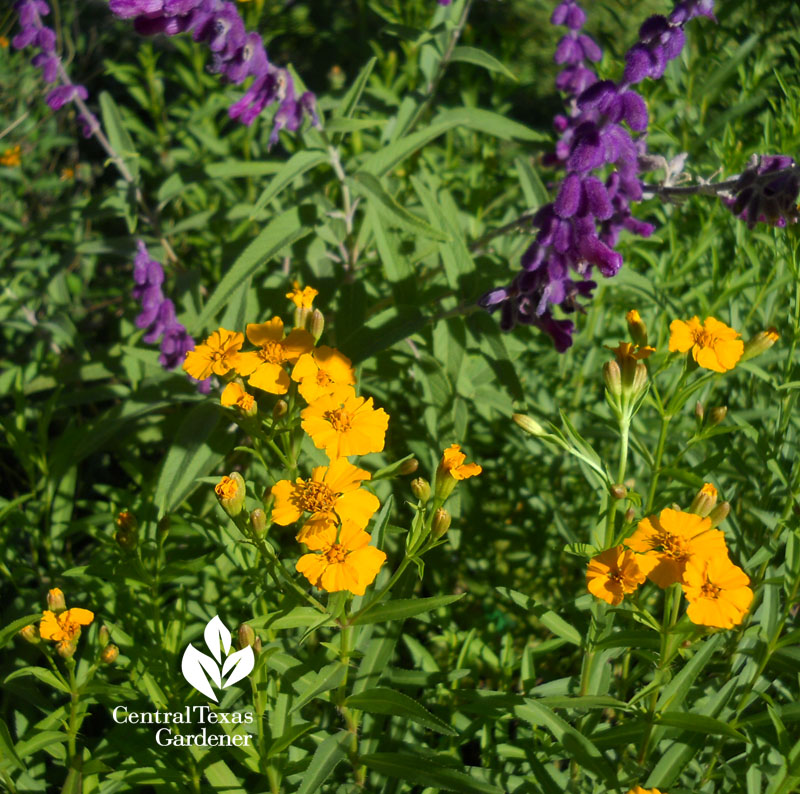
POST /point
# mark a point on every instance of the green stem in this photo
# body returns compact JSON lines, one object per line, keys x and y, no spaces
{"x":72,"y":728}
{"x":656,"y":468}
{"x":624,"y":437}
{"x":386,"y":588}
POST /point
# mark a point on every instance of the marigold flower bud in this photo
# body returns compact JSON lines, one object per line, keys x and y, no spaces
{"x":316,"y":324}
{"x":636,"y":328}
{"x":230,"y":492}
{"x":699,"y":411}
{"x":409,"y":467}
{"x":529,"y":425}
{"x":30,"y":634}
{"x":258,"y":521}
{"x":103,"y":636}
{"x":639,"y":379}
{"x":612,"y":376}
{"x":302,"y":315}
{"x":716,"y":415}
{"x":630,"y":514}
{"x":66,"y":650}
{"x":719,"y":513}
{"x":618,"y":491}
{"x":280,"y":410}
{"x":759,"y":344}
{"x":704,"y":501}
{"x":421,"y":488}
{"x":126,"y":520}
{"x":257,"y":646}
{"x":441,"y":523}
{"x":246,"y":636}
{"x":55,"y":600}
{"x":109,"y":654}
{"x":126,"y":540}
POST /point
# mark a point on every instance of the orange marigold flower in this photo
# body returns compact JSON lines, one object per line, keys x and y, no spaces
{"x":333,"y":491}
{"x":234,"y":394}
{"x":717,"y":592}
{"x":670,"y":539}
{"x":217,"y":355}
{"x":302,"y":298}
{"x":344,"y":563}
{"x":3,"y":42}
{"x":67,"y":174}
{"x":321,"y":372}
{"x":265,"y":366}
{"x":615,"y":572}
{"x":11,"y":157}
{"x":714,"y":345}
{"x":625,"y":352}
{"x":65,"y":627}
{"x":640,"y":790}
{"x":453,"y":463}
{"x":344,"y":424}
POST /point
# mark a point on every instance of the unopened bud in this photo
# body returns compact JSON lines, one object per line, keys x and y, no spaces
{"x":66,"y":650}
{"x":55,"y":601}
{"x":704,"y":501}
{"x":126,"y":540}
{"x":441,"y":523}
{"x":302,"y":315}
{"x":230,"y":492}
{"x":109,"y":654}
{"x":719,"y":513}
{"x":280,"y":410}
{"x":103,"y":636}
{"x":529,"y":425}
{"x":759,"y":344}
{"x":408,"y":467}
{"x":258,"y":522}
{"x":698,"y":411}
{"x":716,"y":415}
{"x":257,"y":646}
{"x":316,"y":324}
{"x":126,"y":520}
{"x":639,"y":379}
{"x":246,"y":636}
{"x":612,"y":377}
{"x":421,"y":488}
{"x":630,"y":514}
{"x":30,"y":634}
{"x":618,"y":491}
{"x":636,"y":328}
{"x":163,"y":527}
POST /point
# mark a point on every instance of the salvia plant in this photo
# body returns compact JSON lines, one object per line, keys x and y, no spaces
{"x":298,"y":497}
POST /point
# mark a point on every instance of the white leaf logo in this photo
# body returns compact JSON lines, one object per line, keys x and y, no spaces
{"x":198,"y":667}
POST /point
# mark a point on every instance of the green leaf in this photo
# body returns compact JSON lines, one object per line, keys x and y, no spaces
{"x":382,"y":331}
{"x":699,"y":723}
{"x":13,"y":628}
{"x":404,"y":608}
{"x":391,"y":469}
{"x":575,"y":744}
{"x":117,"y":134}
{"x":350,"y":100}
{"x":547,"y":617}
{"x":294,"y":167}
{"x":39,"y":741}
{"x":382,"y":700}
{"x":423,"y":772}
{"x":329,"y":677}
{"x":481,"y":58}
{"x":7,"y":751}
{"x":281,"y":232}
{"x":673,"y":694}
{"x":44,"y":675}
{"x":241,"y":168}
{"x":191,"y":455}
{"x":370,"y":187}
{"x":329,"y":753}
{"x":219,"y":775}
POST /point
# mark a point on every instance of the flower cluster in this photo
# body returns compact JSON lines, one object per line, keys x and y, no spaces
{"x":334,"y":506}
{"x":158,"y":312}
{"x":36,"y":34}
{"x":580,"y":229}
{"x":11,"y":157}
{"x":759,"y":198}
{"x":59,"y":624}
{"x":236,"y":55}
{"x":683,"y":548}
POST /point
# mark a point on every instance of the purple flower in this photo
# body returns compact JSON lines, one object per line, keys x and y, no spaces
{"x":580,"y":229}
{"x":158,"y":313}
{"x":759,"y":199}
{"x":235,"y":54}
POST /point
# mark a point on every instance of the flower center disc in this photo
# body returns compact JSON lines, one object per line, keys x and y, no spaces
{"x":316,"y":497}
{"x":674,"y":547}
{"x":336,"y":553}
{"x":340,"y":419}
{"x":710,"y":590}
{"x":272,"y":352}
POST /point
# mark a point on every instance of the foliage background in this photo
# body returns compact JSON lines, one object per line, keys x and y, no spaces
{"x":89,"y":418}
